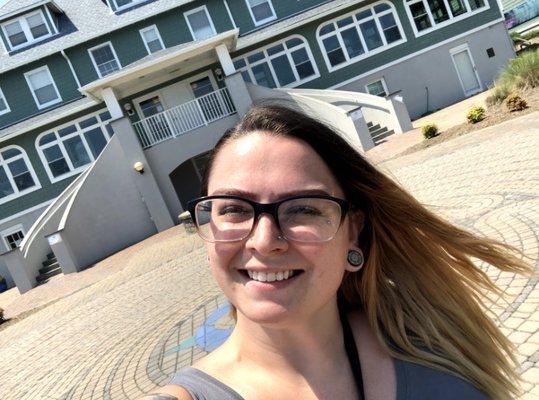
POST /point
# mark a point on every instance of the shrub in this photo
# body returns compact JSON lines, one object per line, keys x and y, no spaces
{"x":530,"y":35}
{"x":515,"y":36}
{"x":521,"y":73}
{"x":515,"y":103}
{"x":429,"y":131}
{"x":475,"y":114}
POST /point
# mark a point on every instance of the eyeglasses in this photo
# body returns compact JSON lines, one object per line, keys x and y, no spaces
{"x":314,"y":218}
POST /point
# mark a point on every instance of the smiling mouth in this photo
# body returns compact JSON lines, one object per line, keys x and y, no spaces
{"x":260,"y":276}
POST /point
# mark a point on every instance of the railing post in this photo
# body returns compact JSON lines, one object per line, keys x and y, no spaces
{"x":201,"y":112}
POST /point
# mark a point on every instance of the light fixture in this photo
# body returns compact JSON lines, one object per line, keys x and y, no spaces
{"x":219,"y":74}
{"x":128,"y":107}
{"x":139,"y":167}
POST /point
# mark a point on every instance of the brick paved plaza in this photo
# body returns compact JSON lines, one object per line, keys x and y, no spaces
{"x":155,"y":308}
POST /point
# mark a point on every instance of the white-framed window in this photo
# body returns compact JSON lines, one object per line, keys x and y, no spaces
{"x":13,"y":236}
{"x":43,"y":87}
{"x":359,"y":34}
{"x":428,"y":15}
{"x":26,"y":30}
{"x":261,"y":11}
{"x":123,"y":4}
{"x":4,"y":106}
{"x":17,"y":177}
{"x":287,"y":63}
{"x":200,"y":23}
{"x":377,"y":88}
{"x":152,"y":39}
{"x":104,"y":59}
{"x":70,"y":148}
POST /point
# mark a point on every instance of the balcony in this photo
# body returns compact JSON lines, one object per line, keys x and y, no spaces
{"x":183,"y":118}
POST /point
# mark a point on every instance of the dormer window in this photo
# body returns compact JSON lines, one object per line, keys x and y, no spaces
{"x":25,"y":30}
{"x":123,"y":4}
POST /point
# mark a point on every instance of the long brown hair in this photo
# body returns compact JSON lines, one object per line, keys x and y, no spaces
{"x":423,"y":295}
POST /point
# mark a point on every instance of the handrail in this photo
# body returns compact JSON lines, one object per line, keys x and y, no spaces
{"x":184,"y":117}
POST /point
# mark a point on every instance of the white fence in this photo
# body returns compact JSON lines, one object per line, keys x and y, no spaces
{"x":184,"y":118}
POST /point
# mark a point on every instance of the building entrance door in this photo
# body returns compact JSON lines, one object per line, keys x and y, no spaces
{"x":208,"y":100}
{"x":466,"y":70}
{"x":156,"y":123}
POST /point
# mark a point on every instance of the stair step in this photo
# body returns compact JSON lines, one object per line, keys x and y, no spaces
{"x":50,"y":274}
{"x":382,"y":136}
{"x":51,"y":255}
{"x":378,"y":131}
{"x":49,"y":268}
{"x":369,"y":124}
{"x":49,"y":261}
{"x":373,"y":127}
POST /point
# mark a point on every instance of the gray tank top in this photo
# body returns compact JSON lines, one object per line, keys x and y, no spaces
{"x":414,"y":382}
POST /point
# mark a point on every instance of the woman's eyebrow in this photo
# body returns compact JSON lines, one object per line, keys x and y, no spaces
{"x":252,"y":195}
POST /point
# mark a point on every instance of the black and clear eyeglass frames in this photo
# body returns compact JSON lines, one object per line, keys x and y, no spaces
{"x":313,"y":218}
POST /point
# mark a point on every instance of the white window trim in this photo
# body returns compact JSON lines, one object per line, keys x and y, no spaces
{"x":149,"y":28}
{"x":59,"y":142}
{"x":194,"y":11}
{"x":450,"y":21}
{"x":30,"y":167}
{"x":264,"y":21}
{"x":288,"y":53}
{"x":11,"y":231}
{"x":26,"y":30}
{"x":50,"y":103}
{"x":129,"y":5}
{"x":458,"y":49}
{"x":2,"y":112}
{"x":109,"y":43}
{"x":367,"y":53}
{"x":381,"y":79}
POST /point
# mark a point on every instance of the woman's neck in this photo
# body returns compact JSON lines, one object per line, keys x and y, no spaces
{"x":297,"y":345}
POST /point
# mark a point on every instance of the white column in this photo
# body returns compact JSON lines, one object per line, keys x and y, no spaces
{"x":225,"y":60}
{"x":112,"y":103}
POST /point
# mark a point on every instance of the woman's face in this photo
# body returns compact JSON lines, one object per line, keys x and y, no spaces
{"x":267,"y":168}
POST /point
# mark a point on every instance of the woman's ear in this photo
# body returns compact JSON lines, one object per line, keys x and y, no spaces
{"x":356,"y":221}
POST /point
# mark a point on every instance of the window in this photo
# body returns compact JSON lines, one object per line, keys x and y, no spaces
{"x":261,"y":11}
{"x":16,"y":175}
{"x":4,"y":107}
{"x":43,"y":87}
{"x":428,"y":15}
{"x":123,"y":4}
{"x":104,"y":59}
{"x":377,"y":88}
{"x":152,"y":39}
{"x":200,"y":23}
{"x":13,"y":236}
{"x":359,"y":34}
{"x":68,"y":149}
{"x":287,"y":63}
{"x":26,"y":30}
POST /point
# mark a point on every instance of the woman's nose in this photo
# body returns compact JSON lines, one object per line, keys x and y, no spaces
{"x":266,"y":236}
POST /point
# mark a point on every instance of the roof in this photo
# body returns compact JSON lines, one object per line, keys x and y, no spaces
{"x":25,"y":6}
{"x":89,"y":25}
{"x":48,"y":117}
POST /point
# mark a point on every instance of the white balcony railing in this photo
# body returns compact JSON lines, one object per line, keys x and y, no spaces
{"x":184,"y":118}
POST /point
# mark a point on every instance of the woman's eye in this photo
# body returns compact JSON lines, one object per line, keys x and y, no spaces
{"x":228,"y":210}
{"x":303,"y":210}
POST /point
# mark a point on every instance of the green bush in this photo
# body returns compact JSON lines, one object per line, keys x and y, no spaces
{"x":429,"y":131}
{"x":515,"y":103}
{"x":530,"y":35}
{"x":2,"y":279}
{"x":475,"y":114}
{"x":515,"y":36}
{"x":521,"y":73}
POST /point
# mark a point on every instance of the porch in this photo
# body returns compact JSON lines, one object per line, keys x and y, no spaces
{"x":185,"y":117}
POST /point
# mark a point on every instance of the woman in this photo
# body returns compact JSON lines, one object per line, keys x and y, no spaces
{"x":343,"y":285}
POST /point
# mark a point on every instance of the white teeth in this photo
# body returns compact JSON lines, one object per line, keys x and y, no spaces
{"x":270,"y":276}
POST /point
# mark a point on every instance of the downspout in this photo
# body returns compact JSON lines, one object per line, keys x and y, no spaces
{"x":71,"y":68}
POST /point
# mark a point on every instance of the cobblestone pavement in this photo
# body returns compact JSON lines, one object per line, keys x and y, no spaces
{"x":160,"y":309}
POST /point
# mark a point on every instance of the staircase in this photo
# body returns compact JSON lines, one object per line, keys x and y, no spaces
{"x":378,"y":133}
{"x":50,"y":268}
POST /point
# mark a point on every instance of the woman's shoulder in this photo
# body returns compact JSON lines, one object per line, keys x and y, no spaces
{"x":202,"y":386}
{"x":416,"y":381}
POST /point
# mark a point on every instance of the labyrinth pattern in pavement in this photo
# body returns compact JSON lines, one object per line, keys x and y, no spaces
{"x":127,"y":334}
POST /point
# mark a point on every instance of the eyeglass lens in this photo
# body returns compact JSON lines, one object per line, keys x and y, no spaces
{"x":303,"y":220}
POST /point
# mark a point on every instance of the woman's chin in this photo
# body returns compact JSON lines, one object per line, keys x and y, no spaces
{"x":266,"y":313}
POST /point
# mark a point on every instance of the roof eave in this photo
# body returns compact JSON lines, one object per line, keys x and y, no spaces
{"x":94,"y":89}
